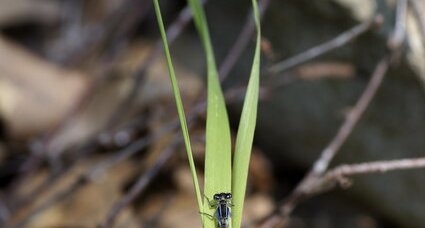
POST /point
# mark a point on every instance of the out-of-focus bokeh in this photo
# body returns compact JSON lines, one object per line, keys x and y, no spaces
{"x":89,"y":130}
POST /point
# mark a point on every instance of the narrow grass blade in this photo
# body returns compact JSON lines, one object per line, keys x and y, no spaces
{"x":218,"y":144}
{"x":246,"y":130}
{"x":179,"y":105}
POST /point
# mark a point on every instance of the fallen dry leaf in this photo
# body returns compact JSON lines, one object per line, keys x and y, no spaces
{"x":34,"y":94}
{"x":14,"y":12}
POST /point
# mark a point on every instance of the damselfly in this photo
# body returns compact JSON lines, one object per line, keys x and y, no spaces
{"x":222,"y":203}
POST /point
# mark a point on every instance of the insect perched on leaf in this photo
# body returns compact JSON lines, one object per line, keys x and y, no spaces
{"x":222,"y":203}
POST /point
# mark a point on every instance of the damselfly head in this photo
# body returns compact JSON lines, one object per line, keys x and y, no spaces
{"x":222,"y":196}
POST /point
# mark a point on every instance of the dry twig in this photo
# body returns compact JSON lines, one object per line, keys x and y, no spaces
{"x":96,"y":171}
{"x":38,"y":156}
{"x":4,"y":211}
{"x":140,"y":185}
{"x":43,"y":152}
{"x":173,"y":32}
{"x":399,"y":34}
{"x":374,"y":167}
{"x":323,"y":48}
{"x":241,"y":42}
{"x":340,"y":173}
{"x":417,"y":7}
{"x":314,"y":182}
{"x":308,"y":185}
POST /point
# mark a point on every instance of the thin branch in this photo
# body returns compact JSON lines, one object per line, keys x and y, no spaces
{"x":131,"y":150}
{"x":129,"y":15}
{"x":80,"y":152}
{"x":417,"y":9}
{"x":50,"y":202}
{"x":37,"y":158}
{"x":173,"y":32}
{"x":119,"y":40}
{"x":312,"y":183}
{"x":4,"y":211}
{"x":375,"y":167}
{"x":241,"y":42}
{"x":38,"y":190}
{"x":110,"y":32}
{"x":340,"y":173}
{"x":308,"y":185}
{"x":321,"y":165}
{"x":399,"y":34}
{"x":321,"y":49}
{"x":353,"y":117}
{"x":139,"y":186}
{"x":98,"y":170}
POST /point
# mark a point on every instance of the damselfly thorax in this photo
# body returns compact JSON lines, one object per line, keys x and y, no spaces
{"x":222,"y":203}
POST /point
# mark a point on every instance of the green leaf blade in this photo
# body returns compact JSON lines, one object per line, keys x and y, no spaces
{"x":179,"y":105}
{"x":218,"y":142}
{"x":245,"y":135}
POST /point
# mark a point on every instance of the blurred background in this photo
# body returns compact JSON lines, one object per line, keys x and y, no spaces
{"x":89,"y":133}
